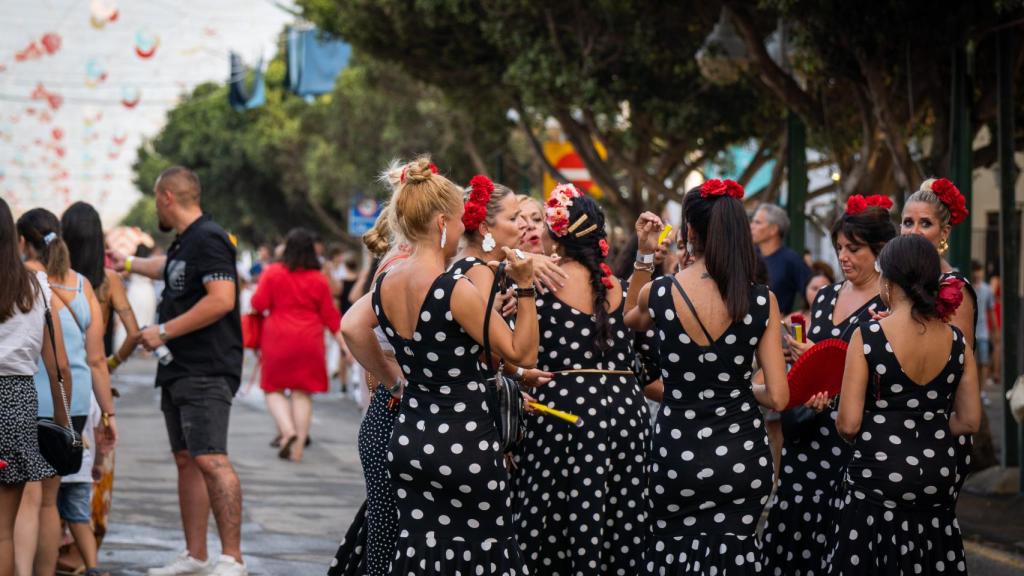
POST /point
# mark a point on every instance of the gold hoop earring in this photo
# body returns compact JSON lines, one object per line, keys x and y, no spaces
{"x":943,"y":246}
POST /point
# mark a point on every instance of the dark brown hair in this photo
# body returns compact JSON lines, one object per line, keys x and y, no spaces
{"x":723,"y":236}
{"x":912,"y":263}
{"x":300,"y":250}
{"x":83,"y":233}
{"x":41,"y":230}
{"x":872,"y":227}
{"x":18,"y":286}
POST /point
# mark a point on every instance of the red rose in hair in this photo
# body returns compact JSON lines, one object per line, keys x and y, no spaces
{"x":605,"y":269}
{"x":950,"y":195}
{"x":856,"y":204}
{"x":607,"y":281}
{"x":879,"y":200}
{"x":950,"y":297}
{"x":473,"y":216}
{"x":476,"y":207}
{"x":734,"y":189}
{"x":713,"y":187}
{"x":603,"y":245}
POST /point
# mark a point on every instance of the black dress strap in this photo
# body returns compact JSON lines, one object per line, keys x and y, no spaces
{"x":693,"y":310}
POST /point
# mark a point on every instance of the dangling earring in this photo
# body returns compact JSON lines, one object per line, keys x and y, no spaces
{"x":943,"y":246}
{"x":888,"y":295}
{"x":444,"y":236}
{"x":488,"y":244}
{"x":689,"y":248}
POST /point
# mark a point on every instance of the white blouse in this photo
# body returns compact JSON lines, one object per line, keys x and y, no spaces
{"x":21,"y":335}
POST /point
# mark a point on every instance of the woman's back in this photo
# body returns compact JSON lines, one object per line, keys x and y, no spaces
{"x":21,"y":335}
{"x":75,"y":318}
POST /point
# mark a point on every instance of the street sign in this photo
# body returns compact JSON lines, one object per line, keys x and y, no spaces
{"x":362,"y":215}
{"x":570,"y":165}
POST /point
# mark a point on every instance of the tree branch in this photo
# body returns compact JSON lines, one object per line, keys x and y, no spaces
{"x":536,"y":146}
{"x":905,"y":169}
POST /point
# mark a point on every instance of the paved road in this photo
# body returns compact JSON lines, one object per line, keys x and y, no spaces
{"x":294,"y":514}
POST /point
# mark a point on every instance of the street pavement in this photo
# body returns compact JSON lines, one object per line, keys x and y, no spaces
{"x":294,"y":514}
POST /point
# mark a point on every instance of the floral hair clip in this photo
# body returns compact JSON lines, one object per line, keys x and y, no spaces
{"x":481,"y":188}
{"x":950,"y":195}
{"x":951,"y":295}
{"x":606,"y":275}
{"x":857,"y":203}
{"x":556,"y":210}
{"x":603,"y":245}
{"x":401,"y":179}
{"x":716,"y":187}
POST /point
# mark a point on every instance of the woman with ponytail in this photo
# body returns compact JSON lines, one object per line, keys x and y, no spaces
{"x":909,"y":388}
{"x":82,"y":327}
{"x":931,"y":213}
{"x":813,"y":458}
{"x":581,"y":491}
{"x":711,"y":467}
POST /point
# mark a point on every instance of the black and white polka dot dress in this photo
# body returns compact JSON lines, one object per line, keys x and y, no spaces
{"x":965,"y":442}
{"x":711,"y":468}
{"x":370,"y":540}
{"x":19,"y":444}
{"x":581,"y":491}
{"x":897,"y":510}
{"x":814,"y":457}
{"x":452,"y":489}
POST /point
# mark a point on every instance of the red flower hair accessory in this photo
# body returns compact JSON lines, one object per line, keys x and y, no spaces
{"x":481,"y":188}
{"x":606,"y":277}
{"x":556,"y":209}
{"x":603,"y":245}
{"x":401,"y":179}
{"x":951,"y":295}
{"x":950,"y":195}
{"x":857,"y":203}
{"x":716,"y":187}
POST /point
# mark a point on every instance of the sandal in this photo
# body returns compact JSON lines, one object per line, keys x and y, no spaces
{"x":286,"y":448}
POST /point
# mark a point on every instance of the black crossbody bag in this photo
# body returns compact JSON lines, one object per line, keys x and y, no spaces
{"x":61,"y":447}
{"x":503,"y":396}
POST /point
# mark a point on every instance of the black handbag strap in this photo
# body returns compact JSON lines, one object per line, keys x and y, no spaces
{"x":56,"y":363}
{"x":495,"y":287}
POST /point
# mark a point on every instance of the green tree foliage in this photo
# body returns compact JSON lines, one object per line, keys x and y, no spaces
{"x":293,"y":163}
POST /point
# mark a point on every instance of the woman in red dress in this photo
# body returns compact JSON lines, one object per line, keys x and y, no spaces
{"x":296,"y":299}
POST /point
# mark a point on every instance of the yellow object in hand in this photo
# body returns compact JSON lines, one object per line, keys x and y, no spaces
{"x":664,"y":233}
{"x":544,"y":409}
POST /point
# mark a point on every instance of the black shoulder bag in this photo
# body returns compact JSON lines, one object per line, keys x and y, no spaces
{"x":60,"y":446}
{"x":504,"y":398}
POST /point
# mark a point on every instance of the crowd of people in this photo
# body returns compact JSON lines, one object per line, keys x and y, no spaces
{"x":659,"y":434}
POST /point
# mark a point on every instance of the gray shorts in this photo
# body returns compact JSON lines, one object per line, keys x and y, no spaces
{"x":196,"y":410}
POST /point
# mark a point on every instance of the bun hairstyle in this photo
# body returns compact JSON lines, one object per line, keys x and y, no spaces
{"x":945,"y":197}
{"x":866,"y":220}
{"x":42,"y":231}
{"x":721,"y":228}
{"x":378,"y":239}
{"x":421,"y":195}
{"x":585,"y":241}
{"x":912,"y":263}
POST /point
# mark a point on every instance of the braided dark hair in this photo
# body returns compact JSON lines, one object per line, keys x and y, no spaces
{"x":913,"y":264}
{"x":586,"y":250}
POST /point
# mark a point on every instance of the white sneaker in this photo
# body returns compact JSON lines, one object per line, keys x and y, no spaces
{"x":228,"y":566}
{"x":183,"y":565}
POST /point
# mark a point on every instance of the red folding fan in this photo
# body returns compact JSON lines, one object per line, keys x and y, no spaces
{"x":820,"y":369}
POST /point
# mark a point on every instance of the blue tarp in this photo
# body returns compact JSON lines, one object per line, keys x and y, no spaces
{"x":314,"y":61}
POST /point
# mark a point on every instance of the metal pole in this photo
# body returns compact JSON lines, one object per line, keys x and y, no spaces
{"x":1009,"y":254}
{"x":961,"y":154}
{"x":796,"y":175}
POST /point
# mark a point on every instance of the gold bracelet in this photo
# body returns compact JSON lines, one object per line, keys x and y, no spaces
{"x":113,"y":362}
{"x":128,"y":264}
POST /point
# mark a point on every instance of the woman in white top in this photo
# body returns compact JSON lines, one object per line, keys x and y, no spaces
{"x":23,"y":333}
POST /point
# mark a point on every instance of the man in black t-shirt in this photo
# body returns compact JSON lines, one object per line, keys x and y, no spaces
{"x":787,"y":272}
{"x":199,"y":324}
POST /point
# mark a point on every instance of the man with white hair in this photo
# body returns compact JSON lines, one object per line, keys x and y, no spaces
{"x":787,"y":272}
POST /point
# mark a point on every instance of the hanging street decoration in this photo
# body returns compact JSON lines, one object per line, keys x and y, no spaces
{"x":102,"y":12}
{"x":95,"y":74}
{"x":146,"y":43}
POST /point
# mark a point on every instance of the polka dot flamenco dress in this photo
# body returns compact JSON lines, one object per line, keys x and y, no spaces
{"x":711,"y":468}
{"x":370,"y":540}
{"x":814,"y":457}
{"x":964,"y":443}
{"x":451,"y":486}
{"x":581,"y":492}
{"x":897,"y":513}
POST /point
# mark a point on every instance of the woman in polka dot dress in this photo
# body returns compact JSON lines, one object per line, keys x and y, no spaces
{"x":932,"y":212}
{"x":452,"y":490}
{"x":368,"y":544}
{"x":909,"y":387}
{"x":581,"y":491}
{"x":802,"y":515}
{"x":711,"y":467}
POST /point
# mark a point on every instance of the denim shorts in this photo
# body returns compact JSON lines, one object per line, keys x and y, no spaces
{"x":982,"y":349}
{"x":196,"y":410}
{"x":74,"y":502}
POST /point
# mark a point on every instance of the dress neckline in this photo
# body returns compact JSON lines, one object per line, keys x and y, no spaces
{"x":419,"y":310}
